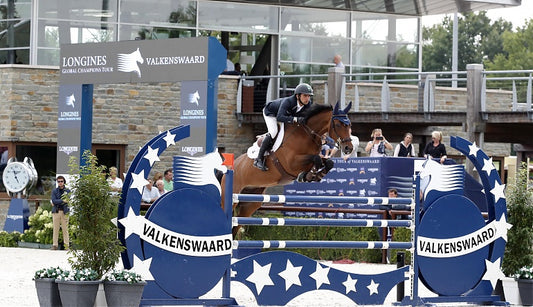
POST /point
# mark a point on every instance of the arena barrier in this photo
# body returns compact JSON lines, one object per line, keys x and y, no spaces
{"x":183,"y":245}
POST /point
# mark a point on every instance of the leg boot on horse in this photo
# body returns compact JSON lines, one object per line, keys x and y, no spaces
{"x":260,"y":160}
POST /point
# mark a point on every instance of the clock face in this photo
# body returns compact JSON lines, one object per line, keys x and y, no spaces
{"x":16,"y":177}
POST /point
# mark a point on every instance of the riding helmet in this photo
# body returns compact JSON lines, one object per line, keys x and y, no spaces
{"x":303,"y":88}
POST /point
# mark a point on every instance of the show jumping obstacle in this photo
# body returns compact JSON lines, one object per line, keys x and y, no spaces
{"x":184,"y":243}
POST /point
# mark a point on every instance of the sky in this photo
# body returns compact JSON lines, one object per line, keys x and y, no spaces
{"x":517,"y":15}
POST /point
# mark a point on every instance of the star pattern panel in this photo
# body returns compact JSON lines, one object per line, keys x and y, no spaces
{"x":276,"y":277}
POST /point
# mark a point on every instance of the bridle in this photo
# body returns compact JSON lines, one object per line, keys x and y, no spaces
{"x":338,"y":117}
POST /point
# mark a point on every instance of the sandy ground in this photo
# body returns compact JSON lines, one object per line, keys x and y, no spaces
{"x":17,"y":266}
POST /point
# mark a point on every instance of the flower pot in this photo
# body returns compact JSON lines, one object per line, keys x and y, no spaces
{"x":78,"y":293}
{"x":47,"y":292}
{"x":121,"y":293}
{"x":525,"y":287}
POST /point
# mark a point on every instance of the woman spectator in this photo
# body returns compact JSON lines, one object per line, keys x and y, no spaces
{"x":376,"y":147}
{"x":405,"y":148}
{"x":435,"y":149}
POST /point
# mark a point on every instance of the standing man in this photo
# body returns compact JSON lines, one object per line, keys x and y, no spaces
{"x":60,"y":213}
{"x":284,"y":110}
{"x":168,"y":182}
{"x":337,"y":59}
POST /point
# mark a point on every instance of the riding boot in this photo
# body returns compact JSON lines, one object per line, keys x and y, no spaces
{"x":260,"y":160}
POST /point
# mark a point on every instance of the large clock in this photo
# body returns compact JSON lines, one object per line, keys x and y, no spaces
{"x":19,"y":176}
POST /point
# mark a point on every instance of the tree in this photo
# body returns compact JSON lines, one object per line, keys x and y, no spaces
{"x":517,"y":50}
{"x":479,"y":39}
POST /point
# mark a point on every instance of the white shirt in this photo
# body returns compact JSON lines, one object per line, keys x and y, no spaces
{"x":148,"y":195}
{"x":355,"y":144}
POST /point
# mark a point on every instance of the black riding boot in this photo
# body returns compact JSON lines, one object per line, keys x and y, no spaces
{"x":260,"y":160}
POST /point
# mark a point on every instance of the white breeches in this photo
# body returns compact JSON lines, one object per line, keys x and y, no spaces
{"x":272,"y":125}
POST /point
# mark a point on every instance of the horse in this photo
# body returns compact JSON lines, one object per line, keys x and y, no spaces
{"x":296,"y":158}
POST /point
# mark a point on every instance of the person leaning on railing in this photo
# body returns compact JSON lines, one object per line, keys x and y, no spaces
{"x":435,"y":149}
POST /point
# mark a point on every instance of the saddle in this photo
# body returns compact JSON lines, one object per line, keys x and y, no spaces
{"x":254,"y":149}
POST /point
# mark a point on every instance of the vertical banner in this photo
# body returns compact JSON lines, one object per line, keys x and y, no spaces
{"x":194,"y":112}
{"x":68,"y":125}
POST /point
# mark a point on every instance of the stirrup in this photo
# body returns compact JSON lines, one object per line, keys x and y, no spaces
{"x":260,"y":165}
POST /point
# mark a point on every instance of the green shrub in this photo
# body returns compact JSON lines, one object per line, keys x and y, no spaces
{"x":9,"y":239}
{"x":519,"y":248}
{"x":40,"y":227}
{"x":326,"y":234}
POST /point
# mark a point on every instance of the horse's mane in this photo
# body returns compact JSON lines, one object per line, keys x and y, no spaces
{"x":316,"y":108}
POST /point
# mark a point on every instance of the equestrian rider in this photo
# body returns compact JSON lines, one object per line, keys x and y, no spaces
{"x":284,"y":110}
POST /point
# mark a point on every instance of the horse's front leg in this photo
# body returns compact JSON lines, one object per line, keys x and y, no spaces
{"x":308,"y":176}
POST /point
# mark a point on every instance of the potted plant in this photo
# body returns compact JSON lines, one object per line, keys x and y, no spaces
{"x":96,"y":247}
{"x":45,"y":284}
{"x":78,"y":287}
{"x":525,"y":284}
{"x":123,"y":288}
{"x":519,"y":248}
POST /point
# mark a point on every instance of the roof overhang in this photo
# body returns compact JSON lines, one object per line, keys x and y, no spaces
{"x":400,"y":7}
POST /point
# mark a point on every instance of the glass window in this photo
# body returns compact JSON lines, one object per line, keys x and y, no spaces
{"x":235,"y":16}
{"x":313,"y":49}
{"x":369,"y":53}
{"x":317,"y":22}
{"x":48,"y":57}
{"x":128,"y":32}
{"x":21,"y":9}
{"x":81,"y":10}
{"x":164,"y":12}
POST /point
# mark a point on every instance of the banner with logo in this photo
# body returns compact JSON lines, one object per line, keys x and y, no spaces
{"x":135,"y":61}
{"x":196,"y":62}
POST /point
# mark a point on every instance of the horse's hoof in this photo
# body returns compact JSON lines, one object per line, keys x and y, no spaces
{"x":301,"y":177}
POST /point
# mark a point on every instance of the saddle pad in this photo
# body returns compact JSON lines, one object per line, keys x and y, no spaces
{"x":253,"y":150}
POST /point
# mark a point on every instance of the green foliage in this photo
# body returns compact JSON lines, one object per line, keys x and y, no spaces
{"x":9,"y":239}
{"x":51,"y":272}
{"x":79,"y":275}
{"x":519,"y":249}
{"x":479,"y":39}
{"x":40,"y":229}
{"x":518,"y":50}
{"x":524,"y":273}
{"x":93,"y":206}
{"x":123,"y":275}
{"x":401,"y":235}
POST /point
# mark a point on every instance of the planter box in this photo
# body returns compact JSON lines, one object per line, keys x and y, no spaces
{"x":525,"y":287}
{"x":33,"y":245}
{"x":121,"y":293}
{"x":47,"y":292}
{"x":78,"y":293}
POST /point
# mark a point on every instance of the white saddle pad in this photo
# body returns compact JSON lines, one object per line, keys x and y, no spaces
{"x":253,"y":150}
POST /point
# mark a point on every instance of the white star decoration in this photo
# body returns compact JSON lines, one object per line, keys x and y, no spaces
{"x":142,"y":267}
{"x":169,"y":138}
{"x":260,"y":276}
{"x":138,"y":182}
{"x":501,"y":227}
{"x":373,"y":287}
{"x":320,"y":275}
{"x":132,"y":223}
{"x":493,"y":272}
{"x":473,"y":150}
{"x":488,"y":166}
{"x":152,"y":155}
{"x":349,"y":284}
{"x":291,"y":275}
{"x":497,"y":191}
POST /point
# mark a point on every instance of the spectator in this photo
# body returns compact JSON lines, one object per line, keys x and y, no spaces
{"x":355,"y":145}
{"x":435,"y":149}
{"x":60,"y":213}
{"x":405,"y":148}
{"x":337,"y":59}
{"x":168,"y":178}
{"x":115,"y":183}
{"x":150,"y":193}
{"x":160,"y":187}
{"x":158,"y":176}
{"x":393,"y":193}
{"x":376,"y":147}
{"x":327,"y":144}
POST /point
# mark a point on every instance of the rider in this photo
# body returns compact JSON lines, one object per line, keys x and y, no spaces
{"x":283,"y":110}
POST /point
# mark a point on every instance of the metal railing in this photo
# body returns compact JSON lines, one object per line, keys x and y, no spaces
{"x":516,"y":84}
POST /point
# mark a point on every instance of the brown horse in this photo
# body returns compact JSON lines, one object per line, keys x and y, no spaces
{"x":297,"y":157}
